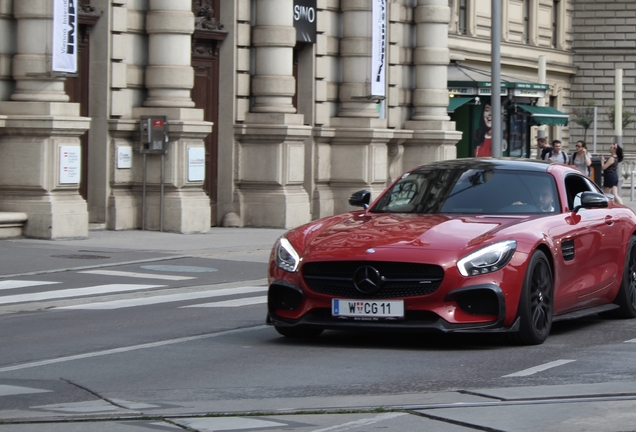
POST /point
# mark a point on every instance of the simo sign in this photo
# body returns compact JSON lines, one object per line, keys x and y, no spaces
{"x":305,"y":20}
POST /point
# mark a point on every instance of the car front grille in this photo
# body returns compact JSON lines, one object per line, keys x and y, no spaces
{"x":397,"y":279}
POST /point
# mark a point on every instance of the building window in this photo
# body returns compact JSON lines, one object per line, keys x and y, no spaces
{"x":555,"y":24}
{"x":463,"y":16}
{"x":526,"y":21}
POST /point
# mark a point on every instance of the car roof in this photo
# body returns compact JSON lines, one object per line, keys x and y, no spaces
{"x":517,"y":164}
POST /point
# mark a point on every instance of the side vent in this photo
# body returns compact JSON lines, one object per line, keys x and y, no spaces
{"x":567,"y":248}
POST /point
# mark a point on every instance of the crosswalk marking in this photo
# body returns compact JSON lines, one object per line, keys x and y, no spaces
{"x":9,"y":390}
{"x":117,"y":304}
{"x":137,"y":275}
{"x":12,"y":284}
{"x":75,"y":292}
{"x":232,"y":303}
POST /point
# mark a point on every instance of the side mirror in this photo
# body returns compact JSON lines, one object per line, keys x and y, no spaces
{"x":360,"y":199}
{"x":592,"y":200}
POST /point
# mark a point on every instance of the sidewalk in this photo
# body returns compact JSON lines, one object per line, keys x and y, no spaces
{"x":21,"y":256}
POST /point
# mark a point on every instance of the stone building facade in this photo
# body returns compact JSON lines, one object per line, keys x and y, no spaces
{"x":530,"y":29}
{"x":289,"y":127}
{"x":604,"y":40}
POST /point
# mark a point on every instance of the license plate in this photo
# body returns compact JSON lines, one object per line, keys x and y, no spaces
{"x":365,"y":308}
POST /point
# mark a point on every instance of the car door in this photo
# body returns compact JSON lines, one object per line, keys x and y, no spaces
{"x":588,"y":249}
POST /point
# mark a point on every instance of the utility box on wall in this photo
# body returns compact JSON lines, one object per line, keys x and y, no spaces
{"x":154,"y":134}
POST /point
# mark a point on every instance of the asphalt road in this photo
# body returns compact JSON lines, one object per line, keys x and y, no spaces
{"x":136,"y":346}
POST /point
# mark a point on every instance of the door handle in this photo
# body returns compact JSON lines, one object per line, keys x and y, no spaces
{"x":609,"y":220}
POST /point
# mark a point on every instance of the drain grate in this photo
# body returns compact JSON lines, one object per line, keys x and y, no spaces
{"x":76,"y":256}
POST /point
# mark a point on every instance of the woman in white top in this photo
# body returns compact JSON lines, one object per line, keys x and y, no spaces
{"x":580,"y":159}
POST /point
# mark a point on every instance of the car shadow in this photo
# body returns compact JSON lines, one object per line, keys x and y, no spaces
{"x":434,"y":341}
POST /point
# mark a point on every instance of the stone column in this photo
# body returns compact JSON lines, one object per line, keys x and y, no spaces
{"x":274,"y":38}
{"x":169,"y":75}
{"x":32,"y":63}
{"x":434,"y":134}
{"x":7,"y":48}
{"x":355,"y":50}
{"x":170,"y":79}
{"x":271,"y":167}
{"x":41,"y":130}
{"x":358,"y":150}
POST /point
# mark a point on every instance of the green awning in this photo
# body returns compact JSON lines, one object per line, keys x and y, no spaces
{"x":456,"y":102}
{"x":545,"y":115}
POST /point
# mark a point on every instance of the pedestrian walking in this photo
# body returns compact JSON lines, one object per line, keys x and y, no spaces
{"x":610,"y":174}
{"x":581,"y":159}
{"x":542,"y":148}
{"x":556,"y":155}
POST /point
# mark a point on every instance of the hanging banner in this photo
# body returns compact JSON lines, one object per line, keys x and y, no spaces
{"x":305,"y":20}
{"x":64,"y":36}
{"x":378,"y":48}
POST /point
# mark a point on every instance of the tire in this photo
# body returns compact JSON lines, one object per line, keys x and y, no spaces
{"x":299,"y":332}
{"x":536,"y":302}
{"x":626,"y":297}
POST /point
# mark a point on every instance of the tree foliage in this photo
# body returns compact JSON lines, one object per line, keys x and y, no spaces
{"x":627,"y":117}
{"x":584,"y":115}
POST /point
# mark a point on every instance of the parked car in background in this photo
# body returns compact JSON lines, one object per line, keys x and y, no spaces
{"x":467,"y":245}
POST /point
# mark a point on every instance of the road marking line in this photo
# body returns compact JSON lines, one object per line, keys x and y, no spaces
{"x":129,"y":348}
{"x":362,"y":422}
{"x":631,"y":341}
{"x":86,"y":407}
{"x":75,"y":292}
{"x":230,"y":424}
{"x":12,"y":284}
{"x":540,"y":368}
{"x":232,"y":303}
{"x":9,"y":390}
{"x":168,"y":298}
{"x":137,"y":275}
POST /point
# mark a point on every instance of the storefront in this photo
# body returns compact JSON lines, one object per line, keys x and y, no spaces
{"x":470,"y":109}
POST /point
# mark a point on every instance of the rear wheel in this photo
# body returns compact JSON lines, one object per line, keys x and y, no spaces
{"x":536,"y":302}
{"x":299,"y":332}
{"x":626,"y":297}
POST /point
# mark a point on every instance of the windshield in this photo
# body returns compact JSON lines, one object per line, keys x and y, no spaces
{"x":473,"y":191}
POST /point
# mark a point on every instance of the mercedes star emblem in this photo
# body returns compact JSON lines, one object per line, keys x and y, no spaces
{"x":367,"y":280}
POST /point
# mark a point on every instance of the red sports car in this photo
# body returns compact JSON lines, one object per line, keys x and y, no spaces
{"x":467,"y":245}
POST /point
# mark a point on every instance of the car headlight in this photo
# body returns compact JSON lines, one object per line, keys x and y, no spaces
{"x":286,"y":256}
{"x":488,"y":259}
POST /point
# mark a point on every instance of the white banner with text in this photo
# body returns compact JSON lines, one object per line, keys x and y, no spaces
{"x":64,"y":36}
{"x":378,"y":49}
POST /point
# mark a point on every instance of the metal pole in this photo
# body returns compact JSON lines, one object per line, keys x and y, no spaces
{"x":163,"y":158}
{"x":618,"y":107}
{"x":595,"y":118}
{"x":495,"y":79}
{"x":143,"y":198}
{"x":631,"y":189}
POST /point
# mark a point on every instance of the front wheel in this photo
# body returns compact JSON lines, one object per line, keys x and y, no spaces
{"x":536,"y":302}
{"x":299,"y":332}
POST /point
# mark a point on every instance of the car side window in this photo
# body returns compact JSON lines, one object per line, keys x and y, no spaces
{"x":575,"y":185}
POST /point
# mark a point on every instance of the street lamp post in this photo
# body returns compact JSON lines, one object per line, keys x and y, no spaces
{"x":495,"y":79}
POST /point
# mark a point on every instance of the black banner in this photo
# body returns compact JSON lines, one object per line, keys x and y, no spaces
{"x":305,"y":16}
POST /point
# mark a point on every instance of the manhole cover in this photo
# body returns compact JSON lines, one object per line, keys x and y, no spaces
{"x":179,"y":269}
{"x":80,"y":256}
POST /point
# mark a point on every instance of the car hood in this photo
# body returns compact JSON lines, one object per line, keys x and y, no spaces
{"x":360,"y":230}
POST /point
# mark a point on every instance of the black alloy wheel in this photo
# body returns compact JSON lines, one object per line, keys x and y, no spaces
{"x":536,"y":302}
{"x":626,"y":297}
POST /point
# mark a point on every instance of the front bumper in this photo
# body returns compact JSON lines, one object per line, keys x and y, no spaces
{"x":284,"y":296}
